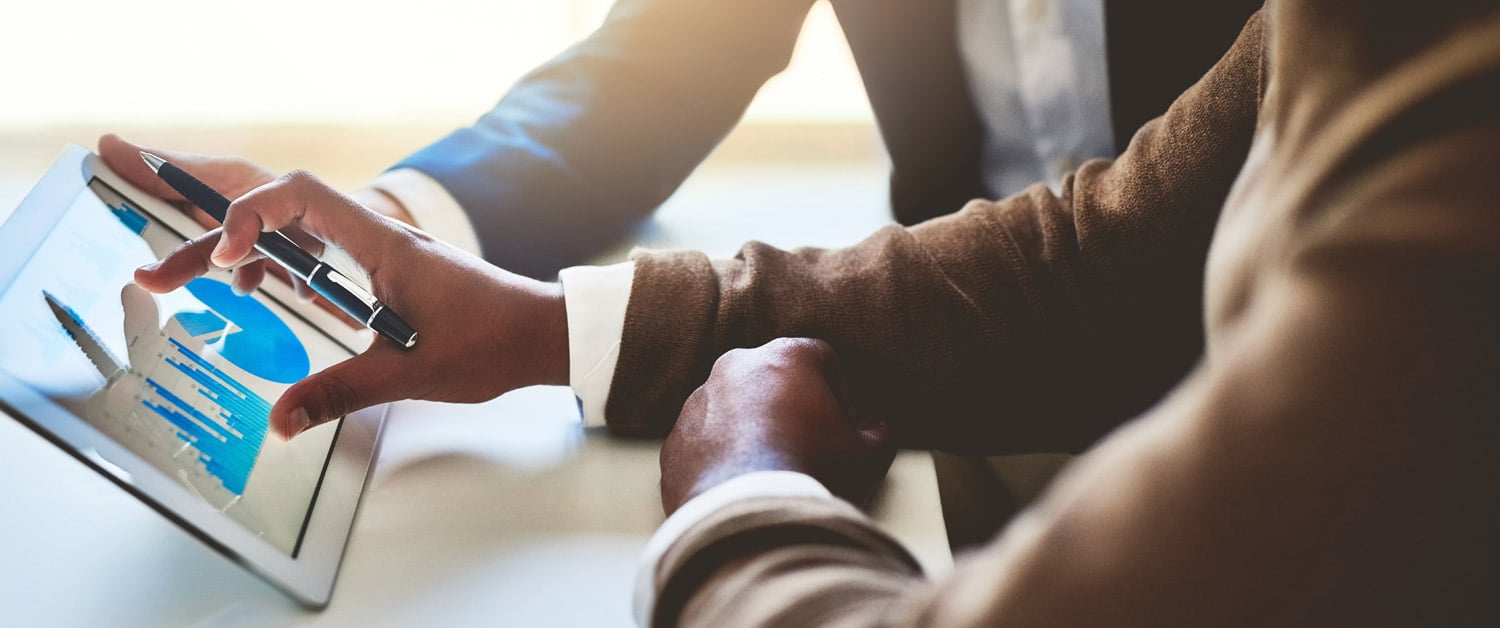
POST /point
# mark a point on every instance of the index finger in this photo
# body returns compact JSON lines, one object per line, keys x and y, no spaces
{"x":187,"y":262}
{"x":300,"y":199}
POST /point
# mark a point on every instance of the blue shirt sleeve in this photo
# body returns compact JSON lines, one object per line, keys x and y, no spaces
{"x":581,"y":151}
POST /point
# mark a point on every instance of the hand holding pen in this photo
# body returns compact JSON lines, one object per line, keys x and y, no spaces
{"x":484,"y":331}
{"x":351,"y":297}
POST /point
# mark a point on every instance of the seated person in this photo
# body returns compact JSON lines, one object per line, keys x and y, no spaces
{"x":1330,"y":460}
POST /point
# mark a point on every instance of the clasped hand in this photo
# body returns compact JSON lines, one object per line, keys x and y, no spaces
{"x":786,"y":405}
{"x":483,"y":331}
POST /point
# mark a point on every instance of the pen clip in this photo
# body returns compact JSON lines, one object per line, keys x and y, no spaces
{"x":354,"y":288}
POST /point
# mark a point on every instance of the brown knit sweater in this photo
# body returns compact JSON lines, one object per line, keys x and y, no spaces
{"x":1036,"y":323}
{"x":1330,"y":460}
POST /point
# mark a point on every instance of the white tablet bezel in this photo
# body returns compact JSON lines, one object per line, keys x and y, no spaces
{"x":309,"y":576}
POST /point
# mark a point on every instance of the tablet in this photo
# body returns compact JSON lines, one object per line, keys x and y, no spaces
{"x":169,"y":395}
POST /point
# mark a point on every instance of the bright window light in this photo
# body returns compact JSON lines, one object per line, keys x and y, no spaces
{"x":334,"y":62}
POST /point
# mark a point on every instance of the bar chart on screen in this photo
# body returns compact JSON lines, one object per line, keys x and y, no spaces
{"x":229,"y":436}
{"x":197,"y":375}
{"x":196,"y":396}
{"x":182,"y":381}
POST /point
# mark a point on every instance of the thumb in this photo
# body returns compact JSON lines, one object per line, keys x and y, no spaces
{"x":875,"y":436}
{"x":860,"y":481}
{"x":878,"y":448}
{"x":362,"y":381}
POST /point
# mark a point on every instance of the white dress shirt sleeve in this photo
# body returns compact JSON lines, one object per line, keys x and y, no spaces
{"x":431,"y":207}
{"x":749,"y":485}
{"x":596,"y":298}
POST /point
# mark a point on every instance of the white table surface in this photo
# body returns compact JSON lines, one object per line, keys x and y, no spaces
{"x":507,"y":513}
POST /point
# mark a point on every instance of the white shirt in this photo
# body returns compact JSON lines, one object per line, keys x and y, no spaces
{"x":1038,"y":72}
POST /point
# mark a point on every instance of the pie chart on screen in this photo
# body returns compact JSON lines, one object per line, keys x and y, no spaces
{"x":261,"y":344}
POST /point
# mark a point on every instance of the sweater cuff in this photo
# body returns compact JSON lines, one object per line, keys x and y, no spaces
{"x":747,"y":486}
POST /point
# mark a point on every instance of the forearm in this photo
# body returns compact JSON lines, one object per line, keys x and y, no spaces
{"x":1028,"y":300}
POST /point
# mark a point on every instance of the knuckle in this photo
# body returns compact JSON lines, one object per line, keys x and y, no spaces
{"x":203,"y":243}
{"x":233,"y":216}
{"x":778,"y":356}
{"x":240,"y":210}
{"x":729,"y":360}
{"x":338,"y":397}
{"x":309,"y":186}
{"x":694,"y":403}
{"x":729,"y":357}
{"x":300,"y":178}
{"x":793,"y":351}
{"x":814,"y":346}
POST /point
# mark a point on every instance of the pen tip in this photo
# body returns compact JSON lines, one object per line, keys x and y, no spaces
{"x":153,"y":161}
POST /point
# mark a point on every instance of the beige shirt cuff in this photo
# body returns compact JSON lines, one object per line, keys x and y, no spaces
{"x":749,"y":485}
{"x":431,"y":207}
{"x":596,"y":298}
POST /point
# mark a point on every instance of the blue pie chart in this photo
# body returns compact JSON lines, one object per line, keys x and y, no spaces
{"x":263,"y":346}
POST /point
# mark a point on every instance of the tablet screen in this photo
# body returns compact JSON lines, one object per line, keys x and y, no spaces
{"x":184,"y":380}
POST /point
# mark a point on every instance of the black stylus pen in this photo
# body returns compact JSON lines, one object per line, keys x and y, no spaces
{"x":333,"y":285}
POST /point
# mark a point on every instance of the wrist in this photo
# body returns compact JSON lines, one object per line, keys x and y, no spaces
{"x":548,"y":327}
{"x":382,"y":203}
{"x":557,"y":333}
{"x":729,"y":467}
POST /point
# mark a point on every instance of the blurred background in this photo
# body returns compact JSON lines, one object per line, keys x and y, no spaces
{"x":345,"y":89}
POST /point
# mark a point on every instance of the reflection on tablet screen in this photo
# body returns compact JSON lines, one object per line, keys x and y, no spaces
{"x":184,"y":380}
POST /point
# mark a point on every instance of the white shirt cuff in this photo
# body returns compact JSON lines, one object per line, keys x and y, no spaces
{"x":749,"y":485}
{"x":431,"y":207}
{"x":595,"y":298}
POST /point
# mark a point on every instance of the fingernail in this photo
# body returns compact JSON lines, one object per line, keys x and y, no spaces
{"x":237,"y":290}
{"x":299,"y":423}
{"x":151,"y":268}
{"x":218,"y":251}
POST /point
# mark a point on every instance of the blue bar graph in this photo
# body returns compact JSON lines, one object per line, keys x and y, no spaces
{"x":135,"y":222}
{"x":228,"y":439}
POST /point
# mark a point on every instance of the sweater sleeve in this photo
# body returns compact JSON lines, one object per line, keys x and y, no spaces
{"x":1332,"y":459}
{"x":1079,"y":309}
